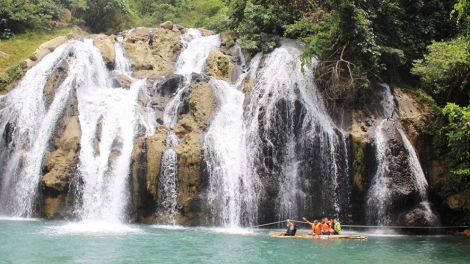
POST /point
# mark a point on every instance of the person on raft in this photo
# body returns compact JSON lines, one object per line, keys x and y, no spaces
{"x":326,"y":227}
{"x":291,"y":229}
{"x":336,"y":227}
{"x":316,"y":227}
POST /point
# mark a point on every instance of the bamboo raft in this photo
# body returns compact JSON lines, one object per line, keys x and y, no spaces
{"x":307,"y":236}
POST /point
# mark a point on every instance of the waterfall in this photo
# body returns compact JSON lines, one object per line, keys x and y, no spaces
{"x":267,"y":146}
{"x":122,"y":64}
{"x":286,"y":124}
{"x":111,"y":117}
{"x":191,"y":60}
{"x":28,"y":122}
{"x":380,"y":195}
{"x":420,"y":179}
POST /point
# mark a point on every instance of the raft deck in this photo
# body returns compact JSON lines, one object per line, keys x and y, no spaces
{"x":306,"y":235}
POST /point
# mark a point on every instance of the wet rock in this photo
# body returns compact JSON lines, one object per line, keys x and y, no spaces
{"x":171,"y":84}
{"x":189,"y":128}
{"x":179,"y":27}
{"x":60,"y":169}
{"x":106,"y":46}
{"x":220,"y":66}
{"x":122,"y":81}
{"x":416,"y":217}
{"x":145,"y":168}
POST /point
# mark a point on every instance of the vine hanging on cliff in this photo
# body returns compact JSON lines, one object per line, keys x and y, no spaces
{"x":339,"y":79}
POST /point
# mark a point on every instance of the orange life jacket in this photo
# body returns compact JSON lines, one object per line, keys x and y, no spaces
{"x":317,"y":229}
{"x":326,"y":227}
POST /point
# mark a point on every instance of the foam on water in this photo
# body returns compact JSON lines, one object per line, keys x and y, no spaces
{"x":22,"y":219}
{"x":92,"y":229}
{"x":169,"y":227}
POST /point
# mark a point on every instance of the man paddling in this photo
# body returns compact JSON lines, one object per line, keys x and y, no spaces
{"x":291,"y":229}
{"x":316,"y":227}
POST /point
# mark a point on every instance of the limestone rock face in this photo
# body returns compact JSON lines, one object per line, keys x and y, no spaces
{"x":189,"y":129}
{"x":106,"y":46}
{"x":220,"y":66}
{"x":146,"y":161}
{"x":152,"y":61}
{"x":61,"y":167}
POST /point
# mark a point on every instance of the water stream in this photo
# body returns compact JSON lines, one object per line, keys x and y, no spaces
{"x":379,"y":198}
{"x":192,"y":59}
{"x":28,"y":121}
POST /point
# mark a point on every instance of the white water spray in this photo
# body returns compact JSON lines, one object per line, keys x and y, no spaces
{"x":32,"y":121}
{"x":191,"y":60}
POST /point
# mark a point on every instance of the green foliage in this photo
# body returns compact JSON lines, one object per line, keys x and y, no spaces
{"x":462,"y":8}
{"x":223,"y":65}
{"x":16,"y":16}
{"x":12,"y":74}
{"x":185,"y":12}
{"x":358,"y":163}
{"x":103,"y":15}
{"x":260,"y":26}
{"x":457,"y":133}
{"x":456,"y":182}
{"x":452,"y":143}
{"x":446,"y":68}
{"x":19,"y":47}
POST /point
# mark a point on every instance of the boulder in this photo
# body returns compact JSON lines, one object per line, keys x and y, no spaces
{"x":66,"y":15}
{"x":167,"y":25}
{"x":105,"y":44}
{"x":466,"y":232}
{"x":416,"y":217}
{"x":220,"y":66}
{"x":459,"y":201}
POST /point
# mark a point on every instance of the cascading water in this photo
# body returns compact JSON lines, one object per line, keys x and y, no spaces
{"x":108,"y":119}
{"x":191,"y":60}
{"x":420,"y":180}
{"x":122,"y":63}
{"x":302,"y":151}
{"x":111,"y":116}
{"x":261,"y":156}
{"x":380,"y":192}
{"x":27,"y":122}
{"x":380,"y":195}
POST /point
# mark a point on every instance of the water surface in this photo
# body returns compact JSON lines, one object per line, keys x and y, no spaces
{"x":38,"y":241}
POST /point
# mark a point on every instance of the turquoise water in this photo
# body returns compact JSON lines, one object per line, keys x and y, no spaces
{"x":62,"y":242}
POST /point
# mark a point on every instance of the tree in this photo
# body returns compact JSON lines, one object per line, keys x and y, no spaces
{"x":445,"y":71}
{"x":19,"y":15}
{"x":103,"y":15}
